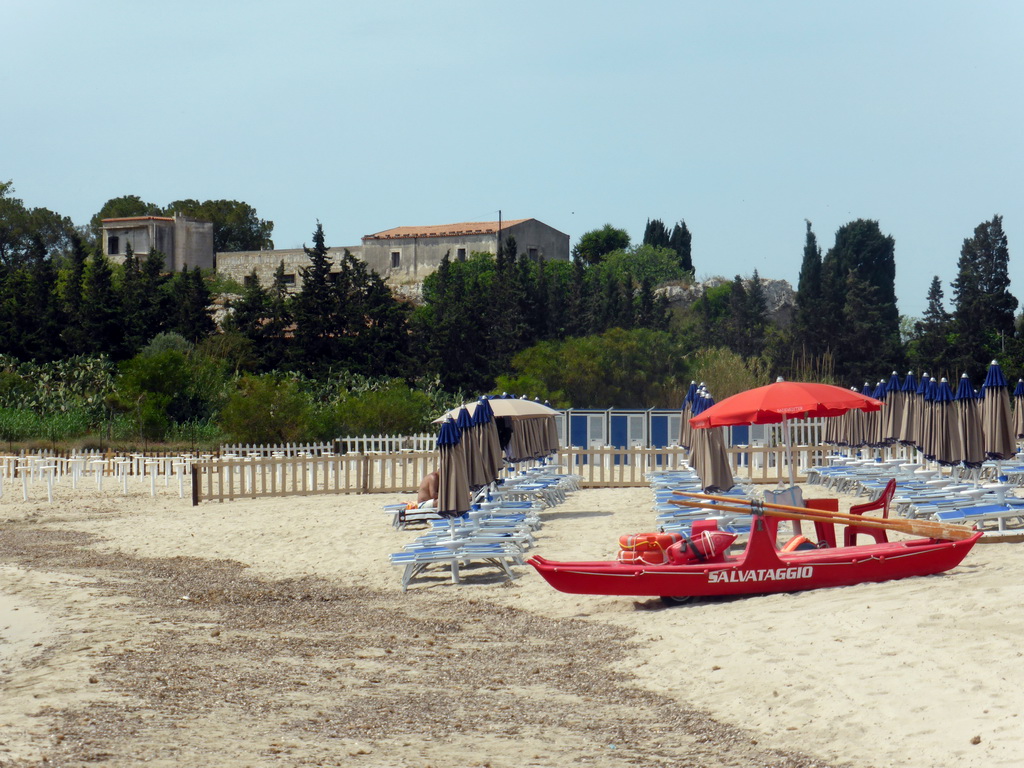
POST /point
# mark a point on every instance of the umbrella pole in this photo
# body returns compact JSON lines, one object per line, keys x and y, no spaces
{"x":789,"y":450}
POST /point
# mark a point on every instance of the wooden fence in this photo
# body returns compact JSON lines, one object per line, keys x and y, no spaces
{"x":225,"y":479}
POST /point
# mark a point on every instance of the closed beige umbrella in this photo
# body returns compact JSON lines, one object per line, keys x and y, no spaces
{"x":1018,"y":409}
{"x":708,"y":455}
{"x":969,"y":421}
{"x":1000,"y":443}
{"x":453,"y":479}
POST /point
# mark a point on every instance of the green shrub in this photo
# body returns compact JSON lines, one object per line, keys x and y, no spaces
{"x":266,"y":409}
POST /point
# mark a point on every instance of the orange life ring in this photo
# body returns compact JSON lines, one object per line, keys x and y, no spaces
{"x":793,"y":544}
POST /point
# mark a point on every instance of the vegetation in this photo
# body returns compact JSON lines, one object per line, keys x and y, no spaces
{"x":93,"y":352}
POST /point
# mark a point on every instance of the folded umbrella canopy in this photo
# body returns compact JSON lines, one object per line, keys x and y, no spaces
{"x":453,"y":478}
{"x":969,"y":419}
{"x":895,"y":398}
{"x":995,"y":415}
{"x":487,"y":439}
{"x":909,"y":392}
{"x":946,"y":447}
{"x":780,"y":402}
{"x":1018,"y":409}
{"x":709,"y":456}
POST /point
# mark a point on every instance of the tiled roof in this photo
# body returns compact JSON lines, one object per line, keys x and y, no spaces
{"x":445,"y":230}
{"x":141,"y":218}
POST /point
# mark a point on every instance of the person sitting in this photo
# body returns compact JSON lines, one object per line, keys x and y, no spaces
{"x":428,"y":488}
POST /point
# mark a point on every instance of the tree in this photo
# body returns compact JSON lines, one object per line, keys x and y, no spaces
{"x":640,"y":368}
{"x":101,"y":310}
{"x":191,"y":300}
{"x":807,"y":312}
{"x":983,"y":312}
{"x":315,"y":311}
{"x":266,"y":409}
{"x":453,"y":326}
{"x":69,"y":289}
{"x":594,"y":245}
{"x":236,"y":225}
{"x":680,"y":242}
{"x":25,"y":232}
{"x":930,"y":348}
{"x":861,"y":257}
{"x":656,"y":234}
{"x":133,"y":299}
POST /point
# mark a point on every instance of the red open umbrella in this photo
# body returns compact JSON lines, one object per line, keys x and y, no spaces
{"x":780,"y":402}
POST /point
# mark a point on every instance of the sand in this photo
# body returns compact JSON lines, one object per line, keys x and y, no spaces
{"x":138,"y":629}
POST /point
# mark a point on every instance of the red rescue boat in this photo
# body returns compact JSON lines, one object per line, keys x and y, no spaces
{"x":760,"y":568}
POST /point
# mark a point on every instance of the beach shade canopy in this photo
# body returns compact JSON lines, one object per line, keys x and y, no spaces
{"x":782,"y":401}
{"x":708,"y":454}
{"x":510,"y":407}
{"x":995,"y":415}
{"x":453,"y":478}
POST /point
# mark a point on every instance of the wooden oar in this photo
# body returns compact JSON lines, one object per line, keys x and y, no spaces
{"x":928,"y":528}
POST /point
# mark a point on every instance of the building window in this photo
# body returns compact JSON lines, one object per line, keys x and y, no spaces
{"x":396,"y":259}
{"x":288,"y":279}
{"x":533,"y":253}
{"x":460,"y":254}
{"x":113,"y":245}
{"x":251,"y":281}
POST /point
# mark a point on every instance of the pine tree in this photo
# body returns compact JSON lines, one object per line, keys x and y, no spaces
{"x":101,"y":311}
{"x":315,"y":311}
{"x":680,"y":242}
{"x":983,"y":311}
{"x":73,"y":334}
{"x":929,"y":350}
{"x":656,"y":234}
{"x":807,"y":329}
{"x":155,"y":307}
{"x":133,"y":304}
{"x":862,"y":256}
{"x":279,"y":320}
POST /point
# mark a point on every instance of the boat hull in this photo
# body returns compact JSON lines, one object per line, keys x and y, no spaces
{"x":759,"y":570}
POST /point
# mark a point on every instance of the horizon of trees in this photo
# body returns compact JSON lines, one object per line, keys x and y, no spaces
{"x":576,"y":332}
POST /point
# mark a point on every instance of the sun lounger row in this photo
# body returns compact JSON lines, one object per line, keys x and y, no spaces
{"x":496,"y":531}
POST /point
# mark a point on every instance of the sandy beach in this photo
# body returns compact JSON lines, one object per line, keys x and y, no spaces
{"x":137,"y":629}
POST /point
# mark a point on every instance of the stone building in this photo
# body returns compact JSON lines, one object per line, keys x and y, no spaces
{"x":183,"y":241}
{"x":239,"y":265}
{"x":406,"y":255}
{"x":412,"y":253}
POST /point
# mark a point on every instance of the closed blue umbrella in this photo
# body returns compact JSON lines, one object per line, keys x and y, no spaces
{"x":922,"y":432}
{"x":893,"y":411}
{"x":475,"y":472}
{"x":487,"y":439}
{"x":1018,"y":409}
{"x":946,"y":447}
{"x":453,"y":478}
{"x":999,"y":441}
{"x":685,"y":432}
{"x":708,"y":454}
{"x":909,"y":391}
{"x":876,"y":419}
{"x":969,"y":423}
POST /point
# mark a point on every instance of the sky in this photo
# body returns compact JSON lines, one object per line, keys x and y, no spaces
{"x":743,"y":118}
